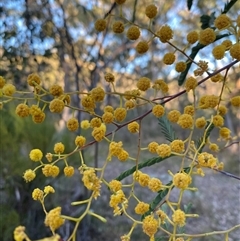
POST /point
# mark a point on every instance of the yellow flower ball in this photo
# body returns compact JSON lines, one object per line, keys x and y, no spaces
{"x":115,"y":185}
{"x":180,"y":66}
{"x":143,"y":83}
{"x":22,"y":110}
{"x":152,"y":147}
{"x":56,"y":106}
{"x":192,"y":37}
{"x":173,"y":116}
{"x":219,"y":51}
{"x":141,"y":208}
{"x":154,"y":184}
{"x":8,"y":89}
{"x":222,"y":22}
{"x":100,"y":25}
{"x":36,"y":155}
{"x":33,"y":79}
{"x":189,"y":109}
{"x":177,"y":146}
{"x":150,"y":225}
{"x":142,"y":47}
{"x":164,"y":150}
{"x":169,"y":58}
{"x":120,"y":114}
{"x":118,"y":27}
{"x":207,"y":36}
{"x":182,"y":180}
{"x":59,"y":148}
{"x":68,"y":171}
{"x":133,"y":127}
{"x":165,"y":34}
{"x":222,"y":110}
{"x":185,"y":121}
{"x":160,"y":84}
{"x":80,"y":141}
{"x":218,"y":120}
{"x":2,"y":82}
{"x":225,"y":133}
{"x":235,"y":101}
{"x":72,"y":124}
{"x":85,"y":124}
{"x":235,"y":51}
{"x":95,"y":122}
{"x":217,"y":78}
{"x":53,"y":219}
{"x":151,"y":11}
{"x":56,"y":90}
{"x":179,"y":217}
{"x":48,"y":189}
{"x":37,"y":194}
{"x":191,"y":84}
{"x":158,"y":111}
{"x":109,"y":77}
{"x":200,"y":122}
{"x":29,"y":175}
{"x":133,"y":33}
{"x":97,"y":94}
{"x":107,"y":117}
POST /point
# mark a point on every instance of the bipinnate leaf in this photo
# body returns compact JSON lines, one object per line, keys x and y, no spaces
{"x":166,"y":128}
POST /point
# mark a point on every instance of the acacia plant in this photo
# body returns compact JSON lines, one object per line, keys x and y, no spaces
{"x":162,"y":218}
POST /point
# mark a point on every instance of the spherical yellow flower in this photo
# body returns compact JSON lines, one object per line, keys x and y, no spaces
{"x":152,"y":147}
{"x":207,"y":36}
{"x":98,"y":133}
{"x":22,"y":110}
{"x":143,"y":179}
{"x":141,"y":208}
{"x":218,"y":120}
{"x":142,"y":47}
{"x":68,"y":171}
{"x":120,"y":114}
{"x":180,"y":66}
{"x":123,"y":155}
{"x":151,"y":11}
{"x":222,"y":21}
{"x":225,"y":133}
{"x":88,"y":102}
{"x":165,"y":34}
{"x":115,"y":148}
{"x":235,"y":51}
{"x":115,"y":185}
{"x":158,"y":111}
{"x":108,"y":108}
{"x":109,"y":77}
{"x":189,"y":109}
{"x":95,"y":122}
{"x":160,"y":84}
{"x":97,"y":94}
{"x":36,"y":155}
{"x":169,"y":58}
{"x":56,"y":106}
{"x":80,"y":141}
{"x":185,"y":121}
{"x":150,"y":225}
{"x":164,"y":150}
{"x":2,"y":82}
{"x":154,"y":184}
{"x":39,"y":117}
{"x":182,"y":180}
{"x":133,"y":127}
{"x":192,"y":37}
{"x":235,"y":101}
{"x":143,"y":83}
{"x":56,"y":90}
{"x":207,"y":160}
{"x":219,"y":51}
{"x":208,"y":101}
{"x":100,"y":25}
{"x":227,"y":43}
{"x":177,"y":146}
{"x":37,"y":194}
{"x":107,"y":117}
{"x":33,"y":79}
{"x":217,"y":78}
{"x":191,"y":84}
{"x":85,"y":124}
{"x":118,"y":27}
{"x":48,"y":189}
{"x":72,"y":124}
{"x":50,"y":171}
{"x":59,"y":148}
{"x":8,"y":89}
{"x":222,"y":110}
{"x":53,"y":219}
{"x":130,"y":104}
{"x":200,"y":122}
{"x":133,"y":33}
{"x":19,"y":233}
{"x":29,"y":175}
{"x":179,"y":217}
{"x":213,"y":147}
{"x":173,"y":116}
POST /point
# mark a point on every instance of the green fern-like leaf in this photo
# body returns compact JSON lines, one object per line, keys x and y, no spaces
{"x":189,"y":4}
{"x":166,"y":128}
{"x":146,"y":163}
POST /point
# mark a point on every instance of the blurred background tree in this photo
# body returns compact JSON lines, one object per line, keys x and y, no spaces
{"x":57,"y":39}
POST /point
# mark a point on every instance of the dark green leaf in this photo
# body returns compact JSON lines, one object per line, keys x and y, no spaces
{"x":167,"y":129}
{"x":228,"y":6}
{"x":189,"y":4}
{"x":207,"y":20}
{"x":146,"y":163}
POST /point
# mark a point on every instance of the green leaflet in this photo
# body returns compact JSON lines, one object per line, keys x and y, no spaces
{"x":228,"y":6}
{"x":146,"y":163}
{"x":166,"y":128}
{"x":189,"y":4}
